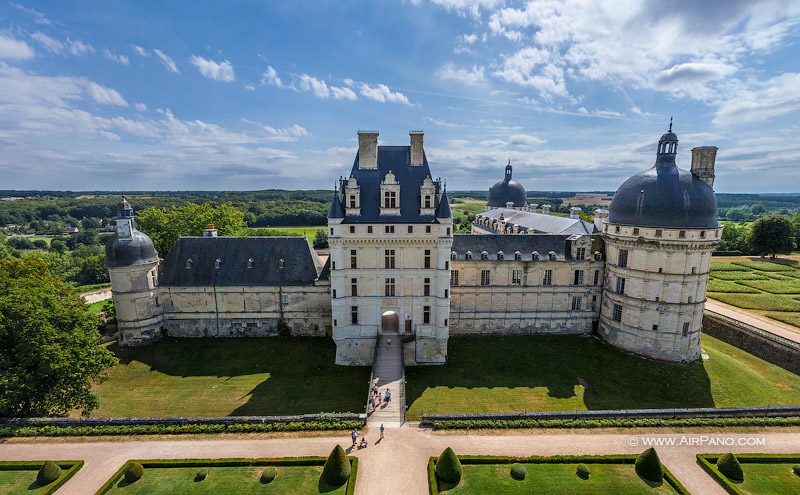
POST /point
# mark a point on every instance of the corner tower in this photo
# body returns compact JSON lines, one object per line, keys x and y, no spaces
{"x":132,"y":264}
{"x":661,"y":230}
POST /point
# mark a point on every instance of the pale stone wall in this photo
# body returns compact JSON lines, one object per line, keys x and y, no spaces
{"x":247,"y":311}
{"x":503,"y":308}
{"x":136,"y":299}
{"x":409,"y":301}
{"x":665,"y":288}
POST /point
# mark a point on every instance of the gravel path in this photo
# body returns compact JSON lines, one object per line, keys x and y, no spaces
{"x":398,"y":464}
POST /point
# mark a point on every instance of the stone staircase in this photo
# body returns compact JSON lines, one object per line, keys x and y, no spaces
{"x":388,"y":373}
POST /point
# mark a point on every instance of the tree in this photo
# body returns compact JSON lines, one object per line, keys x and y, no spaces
{"x":164,"y":226}
{"x":93,"y":271}
{"x":337,"y":468}
{"x":796,"y":226}
{"x":58,"y":246}
{"x":321,"y":239}
{"x":51,"y":347}
{"x":738,"y":214}
{"x":771,"y":235}
{"x":758,"y":209}
{"x":734,"y":238}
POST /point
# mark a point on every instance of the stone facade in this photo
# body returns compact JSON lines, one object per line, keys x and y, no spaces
{"x":140,"y":314}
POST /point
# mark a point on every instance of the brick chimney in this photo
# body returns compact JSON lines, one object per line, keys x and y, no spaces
{"x":703,"y":163}
{"x":546,"y":209}
{"x":416,"y":148}
{"x":367,"y":150}
{"x":210,"y":231}
{"x":575,"y":213}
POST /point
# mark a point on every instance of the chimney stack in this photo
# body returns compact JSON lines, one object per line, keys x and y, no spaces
{"x":546,"y":209}
{"x":532,"y":207}
{"x":600,"y":217}
{"x":210,"y":231}
{"x":703,"y":163}
{"x":510,"y":205}
{"x":575,"y":213}
{"x":416,"y":148}
{"x":367,"y":150}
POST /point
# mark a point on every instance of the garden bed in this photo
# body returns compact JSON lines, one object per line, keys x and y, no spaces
{"x":763,"y":474}
{"x":20,"y":476}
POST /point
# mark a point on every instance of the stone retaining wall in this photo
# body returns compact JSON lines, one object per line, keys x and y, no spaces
{"x":760,"y":343}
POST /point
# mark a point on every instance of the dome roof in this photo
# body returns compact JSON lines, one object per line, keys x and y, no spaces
{"x":507,"y":191}
{"x":135,"y":251}
{"x":665,"y":196}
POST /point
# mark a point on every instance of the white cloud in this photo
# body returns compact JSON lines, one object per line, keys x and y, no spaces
{"x":467,"y":7}
{"x":381,"y":93}
{"x":270,"y":77}
{"x":218,"y":71}
{"x":141,"y":51}
{"x":141,"y":107}
{"x":470,"y":38}
{"x":441,"y":123}
{"x":471,"y":76}
{"x":493,"y":143}
{"x":38,"y":17}
{"x":249,"y":87}
{"x":316,"y":86}
{"x":50,"y":44}
{"x":123,"y":59}
{"x":777,"y":96}
{"x":105,"y":96}
{"x":341,"y":93}
{"x":166,"y":60}
{"x":526,"y":140}
{"x":78,"y":47}
{"x":11,"y":48}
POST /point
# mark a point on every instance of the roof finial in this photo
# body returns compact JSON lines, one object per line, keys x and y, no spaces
{"x":670,"y":123}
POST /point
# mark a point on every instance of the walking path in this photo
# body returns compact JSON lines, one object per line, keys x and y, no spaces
{"x":397,"y":465}
{"x":758,"y":321}
{"x":388,"y":373}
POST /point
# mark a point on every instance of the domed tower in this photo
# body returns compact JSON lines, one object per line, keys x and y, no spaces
{"x":132,"y":264}
{"x":661,"y":230}
{"x":507,"y":191}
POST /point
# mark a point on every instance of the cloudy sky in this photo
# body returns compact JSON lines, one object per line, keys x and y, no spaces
{"x":161,"y":95}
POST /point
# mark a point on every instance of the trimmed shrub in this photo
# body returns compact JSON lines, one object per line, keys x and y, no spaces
{"x":48,"y":473}
{"x":134,"y":472}
{"x":796,"y":469}
{"x":730,"y":467}
{"x":268,"y":475}
{"x":582,"y":471}
{"x":648,"y":466}
{"x":202,"y":474}
{"x":518,"y":471}
{"x":448,"y":467}
{"x":337,"y":467}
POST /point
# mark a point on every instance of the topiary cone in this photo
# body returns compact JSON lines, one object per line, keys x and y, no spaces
{"x":48,"y":473}
{"x":134,"y":472}
{"x":448,"y":467}
{"x":337,"y":467}
{"x":730,"y":467}
{"x":648,"y":466}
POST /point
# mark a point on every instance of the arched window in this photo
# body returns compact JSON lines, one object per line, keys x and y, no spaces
{"x":553,"y":255}
{"x":468,"y":255}
{"x":189,"y":263}
{"x":281,"y":262}
{"x":517,"y":256}
{"x":501,"y":255}
{"x":453,"y":255}
{"x":217,"y":263}
{"x":535,"y":256}
{"x":484,"y":255}
{"x":249,"y":262}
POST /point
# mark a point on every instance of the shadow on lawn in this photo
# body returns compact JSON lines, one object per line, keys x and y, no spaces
{"x":302,"y":375}
{"x":616,"y":379}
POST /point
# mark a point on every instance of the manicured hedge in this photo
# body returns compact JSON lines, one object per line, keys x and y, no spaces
{"x":765,"y":302}
{"x":764,"y":266}
{"x":726,"y":253}
{"x":70,"y":431}
{"x":730,"y":467}
{"x":736,"y":275}
{"x":48,"y":473}
{"x":69,"y":468}
{"x":231,"y":462}
{"x":337,"y":467}
{"x":708,"y":462}
{"x":726,"y":267}
{"x":556,"y":459}
{"x":448,"y":467}
{"x":648,"y":466}
{"x":715,"y":285}
{"x":775,"y":286}
{"x":471,"y":424}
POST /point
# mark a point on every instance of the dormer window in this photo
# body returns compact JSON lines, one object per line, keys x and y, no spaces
{"x":468,"y":256}
{"x":217,"y":262}
{"x":535,"y":256}
{"x":427,"y":194}
{"x":352,"y":197}
{"x":484,"y":255}
{"x":500,"y":255}
{"x":249,"y":262}
{"x":517,"y":256}
{"x":552,"y":256}
{"x":189,"y":263}
{"x":428,"y":202}
{"x":281,"y":263}
{"x":390,"y":199}
{"x":453,"y":255}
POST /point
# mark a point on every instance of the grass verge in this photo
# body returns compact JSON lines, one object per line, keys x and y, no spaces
{"x":20,"y":476}
{"x":764,"y":302}
{"x":730,"y":287}
{"x":763,"y":473}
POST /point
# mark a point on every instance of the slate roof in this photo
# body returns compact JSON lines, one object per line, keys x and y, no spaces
{"x":443,"y":211}
{"x":507,"y":191}
{"x":139,"y":250}
{"x":301,"y":265}
{"x":336,"y":210}
{"x":508,"y":244}
{"x":540,"y":223}
{"x":398,"y":160}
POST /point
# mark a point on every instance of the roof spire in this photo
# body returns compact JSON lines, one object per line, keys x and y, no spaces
{"x":670,"y":123}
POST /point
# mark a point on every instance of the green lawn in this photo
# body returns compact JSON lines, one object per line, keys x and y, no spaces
{"x":237,"y":376}
{"x":300,"y":480}
{"x":310,"y":232}
{"x":540,"y":373}
{"x":723,"y":266}
{"x":765,"y":302}
{"x":780,"y":286}
{"x":766,"y":266}
{"x":96,"y":307}
{"x":729,"y":286}
{"x":772,"y":478}
{"x":738,"y":275}
{"x":553,"y":479}
{"x":790,"y":318}
{"x":20,"y":481}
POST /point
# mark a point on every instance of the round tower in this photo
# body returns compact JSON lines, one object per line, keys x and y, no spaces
{"x":661,"y":230}
{"x":507,"y":191}
{"x":132,"y":264}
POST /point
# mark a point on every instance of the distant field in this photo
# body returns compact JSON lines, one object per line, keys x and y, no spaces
{"x":309,"y":232}
{"x":586,"y":199}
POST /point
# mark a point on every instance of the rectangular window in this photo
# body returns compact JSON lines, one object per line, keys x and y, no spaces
{"x":548,"y":277}
{"x":596,"y":277}
{"x":484,"y":277}
{"x":617,"y":314}
{"x":353,"y":259}
{"x":388,"y":229}
{"x":353,"y":286}
{"x":689,"y":300}
{"x":576,"y":303}
{"x":427,"y":258}
{"x":702,"y":234}
{"x":427,"y":201}
{"x":636,"y":231}
{"x":454,"y":277}
{"x":427,"y":229}
{"x":334,"y":293}
{"x":388,"y":289}
{"x":516,"y":277}
{"x":655,"y":328}
{"x":580,"y":253}
{"x":620,"y":285}
{"x":658,"y":232}
{"x":623,"y":258}
{"x":686,"y":329}
{"x":390,"y":199}
{"x":284,"y":299}
{"x":352,"y":229}
{"x":410,"y":229}
{"x":426,"y":314}
{"x":594,"y":303}
{"x":446,"y":265}
{"x":448,"y":230}
{"x":694,"y":270}
{"x":369,"y":229}
{"x":354,"y":315}
{"x":426,"y":287}
{"x":681,"y":233}
{"x":446,"y":293}
{"x":352,"y":201}
{"x":331,"y":231}
{"x":616,"y":229}
{"x":333,"y":265}
{"x":388,"y":258}
{"x":578,"y":280}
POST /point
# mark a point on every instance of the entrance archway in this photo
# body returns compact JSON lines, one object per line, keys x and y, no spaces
{"x":390,"y":322}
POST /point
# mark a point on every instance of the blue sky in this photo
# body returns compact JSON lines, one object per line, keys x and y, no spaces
{"x":256,"y":95}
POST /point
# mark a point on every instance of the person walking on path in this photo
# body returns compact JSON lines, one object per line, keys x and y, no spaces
{"x":354,"y":436}
{"x":388,"y":343}
{"x":382,"y":431}
{"x":388,"y":395}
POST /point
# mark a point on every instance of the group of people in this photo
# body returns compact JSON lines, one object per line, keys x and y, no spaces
{"x":375,"y":397}
{"x":354,"y":435}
